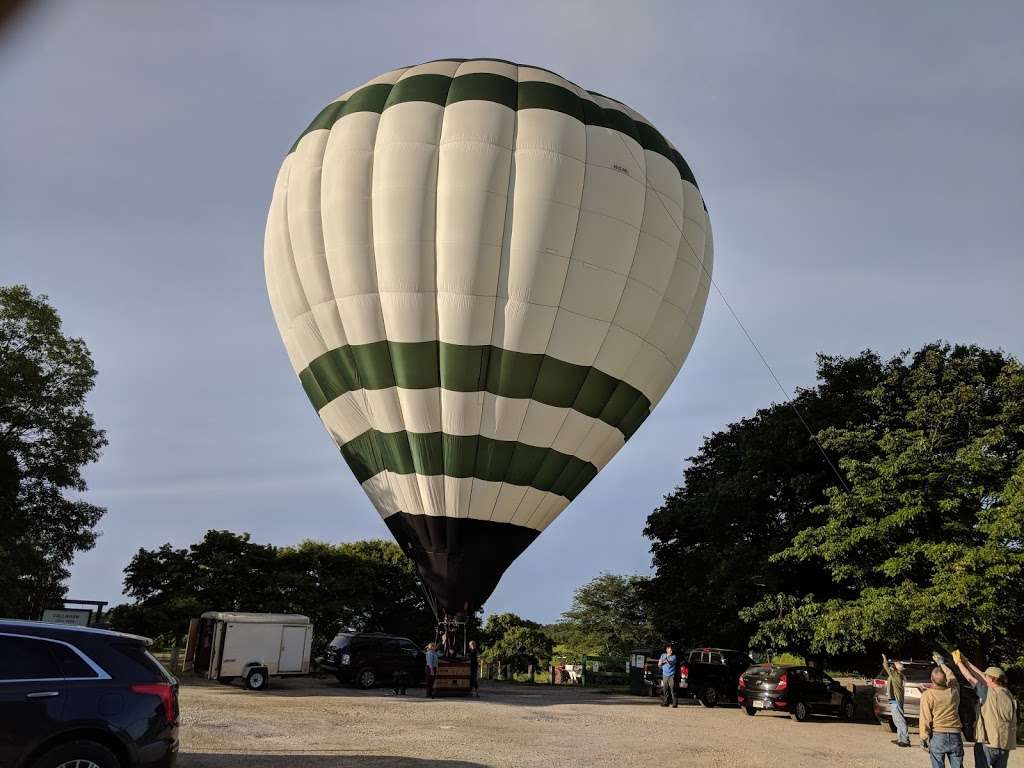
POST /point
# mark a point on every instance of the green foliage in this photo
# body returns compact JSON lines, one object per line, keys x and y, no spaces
{"x":609,"y":616}
{"x":367,"y":585}
{"x":750,"y":489}
{"x":46,"y":437}
{"x":510,"y":640}
{"x":926,"y":546}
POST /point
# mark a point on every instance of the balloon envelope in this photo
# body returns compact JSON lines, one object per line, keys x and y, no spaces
{"x":485,"y":278}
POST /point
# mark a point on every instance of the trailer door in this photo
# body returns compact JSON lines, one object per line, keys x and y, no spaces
{"x":293,"y":644}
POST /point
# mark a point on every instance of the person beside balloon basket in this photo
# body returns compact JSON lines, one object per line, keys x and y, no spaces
{"x":431,"y":670}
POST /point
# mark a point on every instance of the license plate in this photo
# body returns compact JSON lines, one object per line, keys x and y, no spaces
{"x":758,"y":704}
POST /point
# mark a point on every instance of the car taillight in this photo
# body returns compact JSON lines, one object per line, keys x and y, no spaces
{"x":163,"y":691}
{"x":742,"y":683}
{"x":783,"y":682}
{"x":878,"y":683}
{"x":684,"y":671}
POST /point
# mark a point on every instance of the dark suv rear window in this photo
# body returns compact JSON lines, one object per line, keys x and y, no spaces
{"x":25,"y":658}
{"x":71,"y":663}
{"x":138,"y":665}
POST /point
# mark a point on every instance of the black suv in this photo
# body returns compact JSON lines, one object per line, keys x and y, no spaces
{"x":71,"y":696}
{"x":372,"y":658}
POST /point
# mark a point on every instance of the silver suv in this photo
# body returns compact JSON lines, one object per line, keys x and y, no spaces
{"x":918,"y":677}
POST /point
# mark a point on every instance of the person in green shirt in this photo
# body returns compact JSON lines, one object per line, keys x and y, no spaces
{"x":895,"y":687}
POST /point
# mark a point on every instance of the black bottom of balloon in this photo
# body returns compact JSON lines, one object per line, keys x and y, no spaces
{"x":460,"y":559}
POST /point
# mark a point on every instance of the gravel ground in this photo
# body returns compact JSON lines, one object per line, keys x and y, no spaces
{"x":307,"y":723}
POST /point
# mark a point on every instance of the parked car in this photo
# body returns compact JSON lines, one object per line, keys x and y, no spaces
{"x":799,"y":691}
{"x":75,"y":696}
{"x":918,"y":675}
{"x":372,"y":658}
{"x":707,"y":674}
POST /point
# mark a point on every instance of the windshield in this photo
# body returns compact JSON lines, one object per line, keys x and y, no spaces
{"x":341,"y":640}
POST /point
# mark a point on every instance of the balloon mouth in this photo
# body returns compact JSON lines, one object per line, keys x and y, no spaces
{"x":460,"y":559}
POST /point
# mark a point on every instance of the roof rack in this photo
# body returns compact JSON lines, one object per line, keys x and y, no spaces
{"x":74,"y":628}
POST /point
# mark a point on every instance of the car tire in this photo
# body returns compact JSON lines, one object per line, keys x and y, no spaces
{"x":709,"y":697}
{"x":848,"y":710}
{"x":750,"y":711}
{"x":800,"y":712}
{"x":257,"y":679}
{"x":81,"y":753}
{"x":888,"y":725}
{"x":367,"y":678}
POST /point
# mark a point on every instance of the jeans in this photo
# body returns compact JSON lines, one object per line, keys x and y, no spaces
{"x":990,"y":757}
{"x":943,"y":745}
{"x":668,"y":686}
{"x":429,"y":681}
{"x":899,"y":720}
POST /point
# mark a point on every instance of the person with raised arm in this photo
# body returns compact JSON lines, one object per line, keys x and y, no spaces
{"x":996,"y":729}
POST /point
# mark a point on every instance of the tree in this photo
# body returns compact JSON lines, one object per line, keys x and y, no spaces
{"x":46,"y":437}
{"x":744,"y":496}
{"x":514,"y":642}
{"x":609,"y":616}
{"x":367,"y":585}
{"x":925,"y":547}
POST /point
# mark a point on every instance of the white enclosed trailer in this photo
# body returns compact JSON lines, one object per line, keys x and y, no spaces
{"x":251,"y":646}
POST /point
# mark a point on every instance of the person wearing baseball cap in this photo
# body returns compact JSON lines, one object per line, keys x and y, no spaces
{"x":996,"y":731}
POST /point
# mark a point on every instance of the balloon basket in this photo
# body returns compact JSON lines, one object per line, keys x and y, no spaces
{"x":452,"y":678}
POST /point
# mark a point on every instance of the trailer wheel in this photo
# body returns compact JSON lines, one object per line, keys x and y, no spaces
{"x":750,"y":711}
{"x":257,"y":679}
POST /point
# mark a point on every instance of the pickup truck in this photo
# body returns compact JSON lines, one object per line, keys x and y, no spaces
{"x":707,"y":674}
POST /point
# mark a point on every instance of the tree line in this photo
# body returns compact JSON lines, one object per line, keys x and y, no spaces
{"x":880,"y":508}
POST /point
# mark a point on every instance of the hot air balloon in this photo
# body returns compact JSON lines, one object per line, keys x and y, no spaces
{"x":485,"y":277}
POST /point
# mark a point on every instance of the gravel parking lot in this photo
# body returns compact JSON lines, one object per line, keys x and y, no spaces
{"x":308,"y":723}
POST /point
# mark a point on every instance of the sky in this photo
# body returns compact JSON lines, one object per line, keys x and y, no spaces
{"x":861,"y":162}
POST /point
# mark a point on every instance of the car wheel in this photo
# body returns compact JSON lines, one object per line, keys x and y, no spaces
{"x":367,"y":678}
{"x":888,"y":725}
{"x":257,"y":679}
{"x":848,"y":710}
{"x":801,"y":712}
{"x":78,"y":754}
{"x":750,"y":711}
{"x":709,"y":697}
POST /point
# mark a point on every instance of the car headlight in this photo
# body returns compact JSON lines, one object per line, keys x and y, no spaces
{"x":346,"y":659}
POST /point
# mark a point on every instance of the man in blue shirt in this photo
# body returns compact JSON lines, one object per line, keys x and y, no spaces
{"x":431,"y":671}
{"x":667,"y":662}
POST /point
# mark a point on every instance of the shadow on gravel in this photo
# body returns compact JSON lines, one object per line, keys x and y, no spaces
{"x":302,"y":760}
{"x":490,"y":692}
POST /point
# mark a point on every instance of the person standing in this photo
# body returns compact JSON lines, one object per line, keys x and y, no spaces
{"x":667,"y":662}
{"x":431,"y":672}
{"x":474,"y":668}
{"x":939,"y":724}
{"x":995,"y":734}
{"x":895,"y":687}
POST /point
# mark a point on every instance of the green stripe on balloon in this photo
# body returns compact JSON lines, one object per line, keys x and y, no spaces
{"x":484,"y":458}
{"x":461,"y":368}
{"x":484,"y":86}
